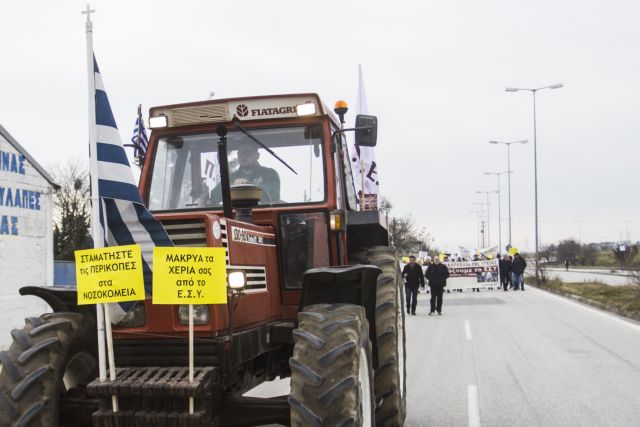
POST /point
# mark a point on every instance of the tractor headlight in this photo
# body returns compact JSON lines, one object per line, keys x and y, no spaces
{"x":200,"y":314}
{"x":135,"y":317}
{"x":237,"y":280}
{"x":307,"y":109}
{"x":158,"y":122}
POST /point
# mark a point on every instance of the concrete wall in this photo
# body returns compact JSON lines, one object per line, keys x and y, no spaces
{"x":26,"y":238}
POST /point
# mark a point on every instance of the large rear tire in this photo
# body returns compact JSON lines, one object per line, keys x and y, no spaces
{"x":390,"y":376}
{"x":50,"y":355}
{"x":331,"y":369}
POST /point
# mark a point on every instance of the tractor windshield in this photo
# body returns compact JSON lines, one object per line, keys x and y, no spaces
{"x":186,"y":173}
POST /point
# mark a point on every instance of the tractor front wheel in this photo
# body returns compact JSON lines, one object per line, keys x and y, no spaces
{"x":390,"y":385}
{"x":331,"y":370}
{"x":49,"y":356}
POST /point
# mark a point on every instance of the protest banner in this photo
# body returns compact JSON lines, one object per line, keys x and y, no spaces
{"x":189,"y":275}
{"x":473,"y":274}
{"x":112,"y":274}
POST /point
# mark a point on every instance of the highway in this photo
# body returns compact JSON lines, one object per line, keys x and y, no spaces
{"x":521,"y":359}
{"x":512,"y":358}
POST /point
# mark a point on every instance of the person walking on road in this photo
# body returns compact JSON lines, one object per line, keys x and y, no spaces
{"x":517,"y":271}
{"x":437,"y":274}
{"x":413,"y":278}
{"x":504,"y":264}
{"x":566,"y":264}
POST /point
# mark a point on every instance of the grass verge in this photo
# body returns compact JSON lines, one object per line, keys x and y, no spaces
{"x":624,"y":300}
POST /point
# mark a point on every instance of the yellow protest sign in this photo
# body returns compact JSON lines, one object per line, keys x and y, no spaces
{"x":189,"y":275}
{"x":111,"y":274}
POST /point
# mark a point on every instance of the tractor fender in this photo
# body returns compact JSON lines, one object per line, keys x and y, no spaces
{"x":59,"y":298}
{"x":343,"y":285}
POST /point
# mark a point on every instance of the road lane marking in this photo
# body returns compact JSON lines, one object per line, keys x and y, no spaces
{"x":473,"y":410}
{"x":606,"y":314}
{"x":467,"y":329}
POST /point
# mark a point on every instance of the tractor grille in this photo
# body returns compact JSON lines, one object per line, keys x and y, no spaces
{"x":224,"y":237}
{"x":166,"y":352}
{"x":202,"y":114}
{"x":186,"y":232}
{"x":256,"y":276}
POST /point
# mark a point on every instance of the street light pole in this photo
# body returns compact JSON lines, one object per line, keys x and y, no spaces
{"x":499,"y":209}
{"x":488,"y":217}
{"x":509,"y":172}
{"x":535,"y":163}
{"x":481,"y":222}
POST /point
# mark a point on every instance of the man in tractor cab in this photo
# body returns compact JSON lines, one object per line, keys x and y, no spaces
{"x":252,"y":172}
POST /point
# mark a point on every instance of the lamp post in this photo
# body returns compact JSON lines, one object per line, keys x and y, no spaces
{"x":481,"y":222}
{"x":509,"y":172}
{"x":499,"y":208}
{"x":535,"y":162}
{"x":488,"y":216}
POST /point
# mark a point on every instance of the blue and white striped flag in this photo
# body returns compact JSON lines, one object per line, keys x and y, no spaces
{"x":139,"y":138}
{"x":123,"y":218}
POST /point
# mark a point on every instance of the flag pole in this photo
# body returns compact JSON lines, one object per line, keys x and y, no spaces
{"x":112,"y":362}
{"x":361,"y":108}
{"x":139,"y":137}
{"x":102,"y":311}
{"x":93,"y":173}
{"x":191,"y":403}
{"x":363,"y":183}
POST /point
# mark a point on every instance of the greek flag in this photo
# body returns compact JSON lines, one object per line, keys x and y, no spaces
{"x":139,"y":139}
{"x":123,"y":218}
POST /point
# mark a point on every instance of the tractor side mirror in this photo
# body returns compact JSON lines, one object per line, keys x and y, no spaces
{"x":366,"y":130}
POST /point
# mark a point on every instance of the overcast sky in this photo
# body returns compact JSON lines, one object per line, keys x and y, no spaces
{"x":435,"y":74}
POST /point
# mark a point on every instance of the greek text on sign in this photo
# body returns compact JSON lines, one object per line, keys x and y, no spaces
{"x":111,"y":274}
{"x":189,"y":275}
{"x":243,"y":235}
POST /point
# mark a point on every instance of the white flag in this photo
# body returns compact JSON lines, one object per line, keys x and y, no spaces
{"x":363,"y":162}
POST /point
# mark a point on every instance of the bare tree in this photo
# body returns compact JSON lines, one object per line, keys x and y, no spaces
{"x":385,"y":205}
{"x":634,"y":274}
{"x":625,"y":254}
{"x":405,"y":234}
{"x":589,"y":254}
{"x":568,"y":250}
{"x":547,"y":252}
{"x":71,"y":211}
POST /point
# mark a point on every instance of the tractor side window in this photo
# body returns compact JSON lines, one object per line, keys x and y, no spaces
{"x":304,"y":239}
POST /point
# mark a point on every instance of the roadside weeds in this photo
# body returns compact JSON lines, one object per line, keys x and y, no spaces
{"x":621,"y":300}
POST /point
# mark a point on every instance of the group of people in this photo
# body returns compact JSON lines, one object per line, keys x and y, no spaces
{"x":414,"y":278}
{"x":512,"y":272}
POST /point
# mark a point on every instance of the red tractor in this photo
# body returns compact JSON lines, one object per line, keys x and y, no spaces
{"x":320,"y":302}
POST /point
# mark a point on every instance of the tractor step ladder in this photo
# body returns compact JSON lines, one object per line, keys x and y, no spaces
{"x":158,"y":397}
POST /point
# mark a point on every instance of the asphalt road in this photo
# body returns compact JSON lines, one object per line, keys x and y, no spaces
{"x":521,"y":359}
{"x":518,"y":359}
{"x":577,"y":276}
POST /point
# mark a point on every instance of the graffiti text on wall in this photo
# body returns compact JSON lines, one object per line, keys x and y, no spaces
{"x":12,"y":162}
